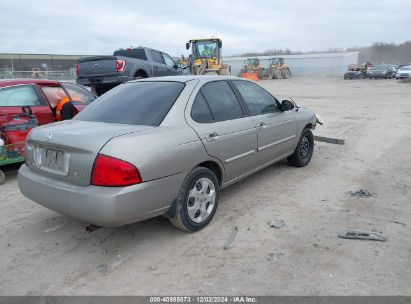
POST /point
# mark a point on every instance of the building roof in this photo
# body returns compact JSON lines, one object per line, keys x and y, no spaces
{"x":9,"y":82}
{"x":301,"y":56}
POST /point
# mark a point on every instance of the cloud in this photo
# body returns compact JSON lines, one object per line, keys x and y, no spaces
{"x":99,"y":27}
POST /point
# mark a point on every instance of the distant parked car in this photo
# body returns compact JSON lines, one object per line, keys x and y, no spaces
{"x":40,"y":96}
{"x":403,"y":72}
{"x":102,"y":73}
{"x":354,"y":72}
{"x":163,"y":146}
{"x":381,"y":71}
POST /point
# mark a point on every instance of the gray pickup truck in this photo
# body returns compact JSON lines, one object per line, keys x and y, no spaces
{"x":102,"y":73}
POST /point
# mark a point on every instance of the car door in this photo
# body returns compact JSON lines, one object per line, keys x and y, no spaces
{"x":13,"y":98}
{"x":276,"y":129}
{"x":171,"y":66}
{"x":78,"y":95}
{"x":159,"y":67}
{"x":223,"y":126}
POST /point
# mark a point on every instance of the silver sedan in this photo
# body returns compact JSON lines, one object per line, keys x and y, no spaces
{"x":162,"y":146}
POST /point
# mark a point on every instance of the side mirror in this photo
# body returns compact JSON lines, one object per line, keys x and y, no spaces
{"x":287,"y":105}
{"x":220,"y":44}
{"x":175,"y":66}
{"x":187,"y":46}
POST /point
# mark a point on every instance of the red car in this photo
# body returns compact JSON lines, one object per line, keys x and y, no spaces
{"x":41,"y":96}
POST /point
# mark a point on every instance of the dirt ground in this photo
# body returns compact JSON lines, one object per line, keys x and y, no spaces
{"x":45,"y":253}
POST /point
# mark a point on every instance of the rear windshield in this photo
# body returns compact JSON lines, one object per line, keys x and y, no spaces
{"x":135,"y":103}
{"x":134,"y":53}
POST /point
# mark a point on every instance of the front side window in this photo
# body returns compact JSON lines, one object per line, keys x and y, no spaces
{"x":19,"y":96}
{"x":221,"y":100}
{"x":136,"y":103}
{"x":258,"y":100}
{"x":78,"y":95}
{"x":168,"y":60}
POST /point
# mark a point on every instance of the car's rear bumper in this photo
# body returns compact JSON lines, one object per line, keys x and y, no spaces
{"x":103,"y":80}
{"x":102,"y":206}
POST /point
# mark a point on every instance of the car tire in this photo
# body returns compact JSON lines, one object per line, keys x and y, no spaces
{"x":304,"y":150}
{"x":197,"y":200}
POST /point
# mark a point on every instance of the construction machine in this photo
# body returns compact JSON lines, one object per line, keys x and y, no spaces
{"x":206,"y":57}
{"x":277,"y":69}
{"x":252,"y":66}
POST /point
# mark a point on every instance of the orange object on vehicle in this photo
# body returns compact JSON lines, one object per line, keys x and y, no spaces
{"x":251,"y":76}
{"x":59,"y":107}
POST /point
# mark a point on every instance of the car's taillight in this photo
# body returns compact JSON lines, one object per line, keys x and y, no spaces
{"x":76,"y":69}
{"x":120,"y":65}
{"x":113,"y":172}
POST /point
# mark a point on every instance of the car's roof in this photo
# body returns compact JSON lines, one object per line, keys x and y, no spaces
{"x":186,"y":78}
{"x":9,"y":82}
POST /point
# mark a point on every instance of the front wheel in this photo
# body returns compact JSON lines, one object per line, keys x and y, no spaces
{"x":304,"y":150}
{"x":197,"y":200}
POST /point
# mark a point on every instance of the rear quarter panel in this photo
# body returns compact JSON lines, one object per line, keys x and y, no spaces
{"x":159,"y":152}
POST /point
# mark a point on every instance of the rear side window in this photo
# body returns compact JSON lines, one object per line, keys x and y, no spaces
{"x":19,"y":96}
{"x":200,"y":111}
{"x":138,"y":103}
{"x":221,"y":100}
{"x":156,"y":56}
{"x":133,"y":53}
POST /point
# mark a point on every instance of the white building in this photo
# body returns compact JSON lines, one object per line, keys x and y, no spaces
{"x":321,"y":64}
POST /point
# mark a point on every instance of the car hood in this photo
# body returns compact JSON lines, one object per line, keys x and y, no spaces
{"x":82,"y":140}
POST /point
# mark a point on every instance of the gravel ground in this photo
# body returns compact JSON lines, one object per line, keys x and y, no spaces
{"x":45,"y":253}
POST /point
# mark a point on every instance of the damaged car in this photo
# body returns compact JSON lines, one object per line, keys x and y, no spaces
{"x":162,"y":146}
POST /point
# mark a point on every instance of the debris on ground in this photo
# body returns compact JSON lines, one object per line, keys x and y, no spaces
{"x":91,"y":228}
{"x":277,"y":224}
{"x":361,"y":235}
{"x":102,"y":268}
{"x":398,"y":223}
{"x":361,"y":193}
{"x":329,"y":140}
{"x":231,"y":238}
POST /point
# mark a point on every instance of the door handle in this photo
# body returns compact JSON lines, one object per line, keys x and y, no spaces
{"x":261,"y":125}
{"x":211,"y":137}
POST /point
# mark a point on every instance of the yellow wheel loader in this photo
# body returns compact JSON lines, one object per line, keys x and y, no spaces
{"x":277,"y":69}
{"x":253,"y":65}
{"x":206,"y":57}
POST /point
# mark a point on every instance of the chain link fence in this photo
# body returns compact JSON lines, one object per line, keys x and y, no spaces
{"x":67,"y":75}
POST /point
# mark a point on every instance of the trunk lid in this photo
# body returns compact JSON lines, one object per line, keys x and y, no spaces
{"x":97,"y":66}
{"x":67,"y":150}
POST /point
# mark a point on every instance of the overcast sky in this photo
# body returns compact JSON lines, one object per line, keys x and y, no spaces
{"x":99,"y":27}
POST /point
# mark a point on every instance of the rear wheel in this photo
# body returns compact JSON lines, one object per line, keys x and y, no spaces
{"x":197,"y":200}
{"x":304,"y":150}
